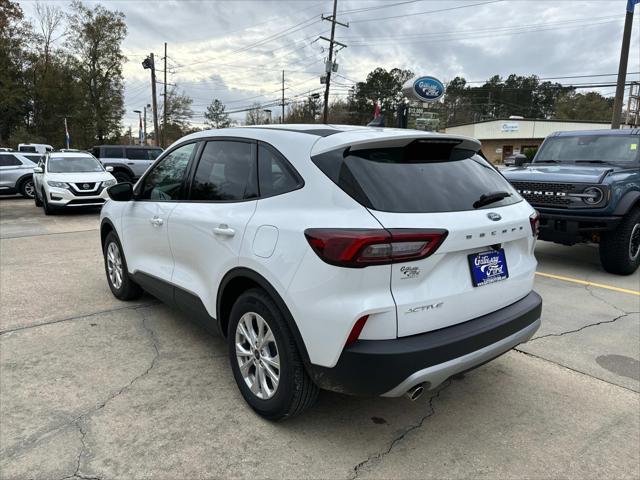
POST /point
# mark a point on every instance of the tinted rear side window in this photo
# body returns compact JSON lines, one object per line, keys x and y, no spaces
{"x":152,"y":154}
{"x":9,"y":161}
{"x":276,"y":176}
{"x":112,"y":152}
{"x":422,"y":177}
{"x":136,"y":154}
{"x":226,"y":172}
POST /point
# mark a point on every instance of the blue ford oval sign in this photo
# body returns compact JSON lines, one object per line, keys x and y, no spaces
{"x":424,"y":89}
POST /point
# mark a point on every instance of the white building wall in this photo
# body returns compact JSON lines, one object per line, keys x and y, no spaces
{"x":520,"y":129}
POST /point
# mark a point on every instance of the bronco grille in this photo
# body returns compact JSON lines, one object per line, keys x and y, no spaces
{"x":545,"y":194}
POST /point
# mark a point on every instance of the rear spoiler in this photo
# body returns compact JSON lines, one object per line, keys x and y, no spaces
{"x":382,"y":138}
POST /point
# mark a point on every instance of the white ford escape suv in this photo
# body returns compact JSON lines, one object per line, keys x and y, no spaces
{"x":365,"y":261}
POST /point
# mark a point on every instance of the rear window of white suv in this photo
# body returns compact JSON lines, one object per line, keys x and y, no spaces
{"x":422,"y":177}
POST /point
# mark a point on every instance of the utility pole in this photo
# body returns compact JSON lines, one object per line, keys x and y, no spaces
{"x":164,"y":104}
{"x":149,"y":63}
{"x":282,"y":121}
{"x":329,"y":66}
{"x":622,"y":68}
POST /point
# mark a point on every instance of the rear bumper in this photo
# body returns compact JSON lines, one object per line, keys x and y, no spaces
{"x":391,"y":367}
{"x":571,"y":229}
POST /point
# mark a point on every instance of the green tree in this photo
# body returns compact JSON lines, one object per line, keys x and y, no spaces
{"x":584,"y":106}
{"x":179,"y":113}
{"x":53,"y":84}
{"x":216,"y":117}
{"x":256,"y":115}
{"x":500,"y":98}
{"x":305,"y":111}
{"x":380,"y":85}
{"x":14,"y":38}
{"x":94,"y":39}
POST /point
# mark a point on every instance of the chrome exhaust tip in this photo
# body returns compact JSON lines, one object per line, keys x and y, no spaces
{"x":414,"y":393}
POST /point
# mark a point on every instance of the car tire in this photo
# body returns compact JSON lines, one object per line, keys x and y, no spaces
{"x":115,"y":267}
{"x":27,"y":188}
{"x":48,"y":209}
{"x":122,"y":177}
{"x":37,"y":201}
{"x":294,"y":391}
{"x":620,"y":248}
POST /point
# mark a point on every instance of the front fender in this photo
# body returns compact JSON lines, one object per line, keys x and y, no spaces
{"x":627,"y":202}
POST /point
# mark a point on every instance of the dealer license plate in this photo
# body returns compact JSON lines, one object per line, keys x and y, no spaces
{"x":488,"y":267}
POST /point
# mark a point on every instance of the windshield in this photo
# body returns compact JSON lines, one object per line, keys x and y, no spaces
{"x":590,"y":148}
{"x":74,"y":164}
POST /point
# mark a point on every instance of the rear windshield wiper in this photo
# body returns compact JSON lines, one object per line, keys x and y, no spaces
{"x":546,"y":161}
{"x":489,"y":198}
{"x":591,"y":161}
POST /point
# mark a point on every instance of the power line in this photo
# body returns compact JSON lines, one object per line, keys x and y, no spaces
{"x":377,"y":19}
{"x":488,"y":34}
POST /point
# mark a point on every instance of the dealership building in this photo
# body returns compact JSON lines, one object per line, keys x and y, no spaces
{"x":503,"y":137}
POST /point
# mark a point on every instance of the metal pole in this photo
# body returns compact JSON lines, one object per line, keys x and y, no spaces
{"x":66,"y":131}
{"x":156,"y":134}
{"x":622,"y":68}
{"x":145,"y":125}
{"x":326,"y":89}
{"x":164,"y":104}
{"x":282,"y":121}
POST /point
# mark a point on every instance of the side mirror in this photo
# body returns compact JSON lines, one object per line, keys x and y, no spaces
{"x":37,"y":169}
{"x":520,"y":160}
{"x":109,"y":169}
{"x":122,"y":192}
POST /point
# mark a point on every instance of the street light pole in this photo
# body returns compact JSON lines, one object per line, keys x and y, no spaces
{"x":140,"y":137}
{"x":145,"y":123}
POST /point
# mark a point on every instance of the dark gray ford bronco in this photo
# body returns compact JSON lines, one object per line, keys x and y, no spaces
{"x":586,"y":187}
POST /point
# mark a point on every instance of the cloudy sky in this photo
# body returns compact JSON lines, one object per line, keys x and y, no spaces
{"x":236,"y":50}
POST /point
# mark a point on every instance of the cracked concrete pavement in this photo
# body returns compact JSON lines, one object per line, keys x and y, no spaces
{"x":93,"y":388}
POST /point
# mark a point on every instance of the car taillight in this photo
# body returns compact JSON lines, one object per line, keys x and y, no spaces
{"x":358,"y":248}
{"x":534,"y":220}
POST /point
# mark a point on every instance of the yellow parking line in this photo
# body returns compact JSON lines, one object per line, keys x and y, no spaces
{"x":591,"y":284}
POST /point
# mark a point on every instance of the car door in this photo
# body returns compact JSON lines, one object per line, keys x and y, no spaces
{"x":9,"y":171}
{"x":38,"y":177}
{"x":145,"y":219}
{"x":206,"y":232}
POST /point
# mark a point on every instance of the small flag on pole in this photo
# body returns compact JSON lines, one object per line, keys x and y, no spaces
{"x":631,"y":4}
{"x":378,"y":110}
{"x":66,"y":132}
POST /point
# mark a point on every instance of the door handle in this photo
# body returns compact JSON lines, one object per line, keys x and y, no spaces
{"x":224,"y":230}
{"x":156,"y":221}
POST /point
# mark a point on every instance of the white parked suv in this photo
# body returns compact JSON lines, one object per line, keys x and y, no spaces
{"x":70,"y":179}
{"x":360,"y":260}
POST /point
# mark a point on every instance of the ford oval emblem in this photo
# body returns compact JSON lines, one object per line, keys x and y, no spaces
{"x":494,"y":216}
{"x":424,"y":89}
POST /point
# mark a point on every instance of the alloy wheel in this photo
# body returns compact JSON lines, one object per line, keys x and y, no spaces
{"x":114,"y":265}
{"x":257,"y":355}
{"x":29,"y":189}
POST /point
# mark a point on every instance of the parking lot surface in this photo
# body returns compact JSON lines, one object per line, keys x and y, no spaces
{"x":91,"y":387}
